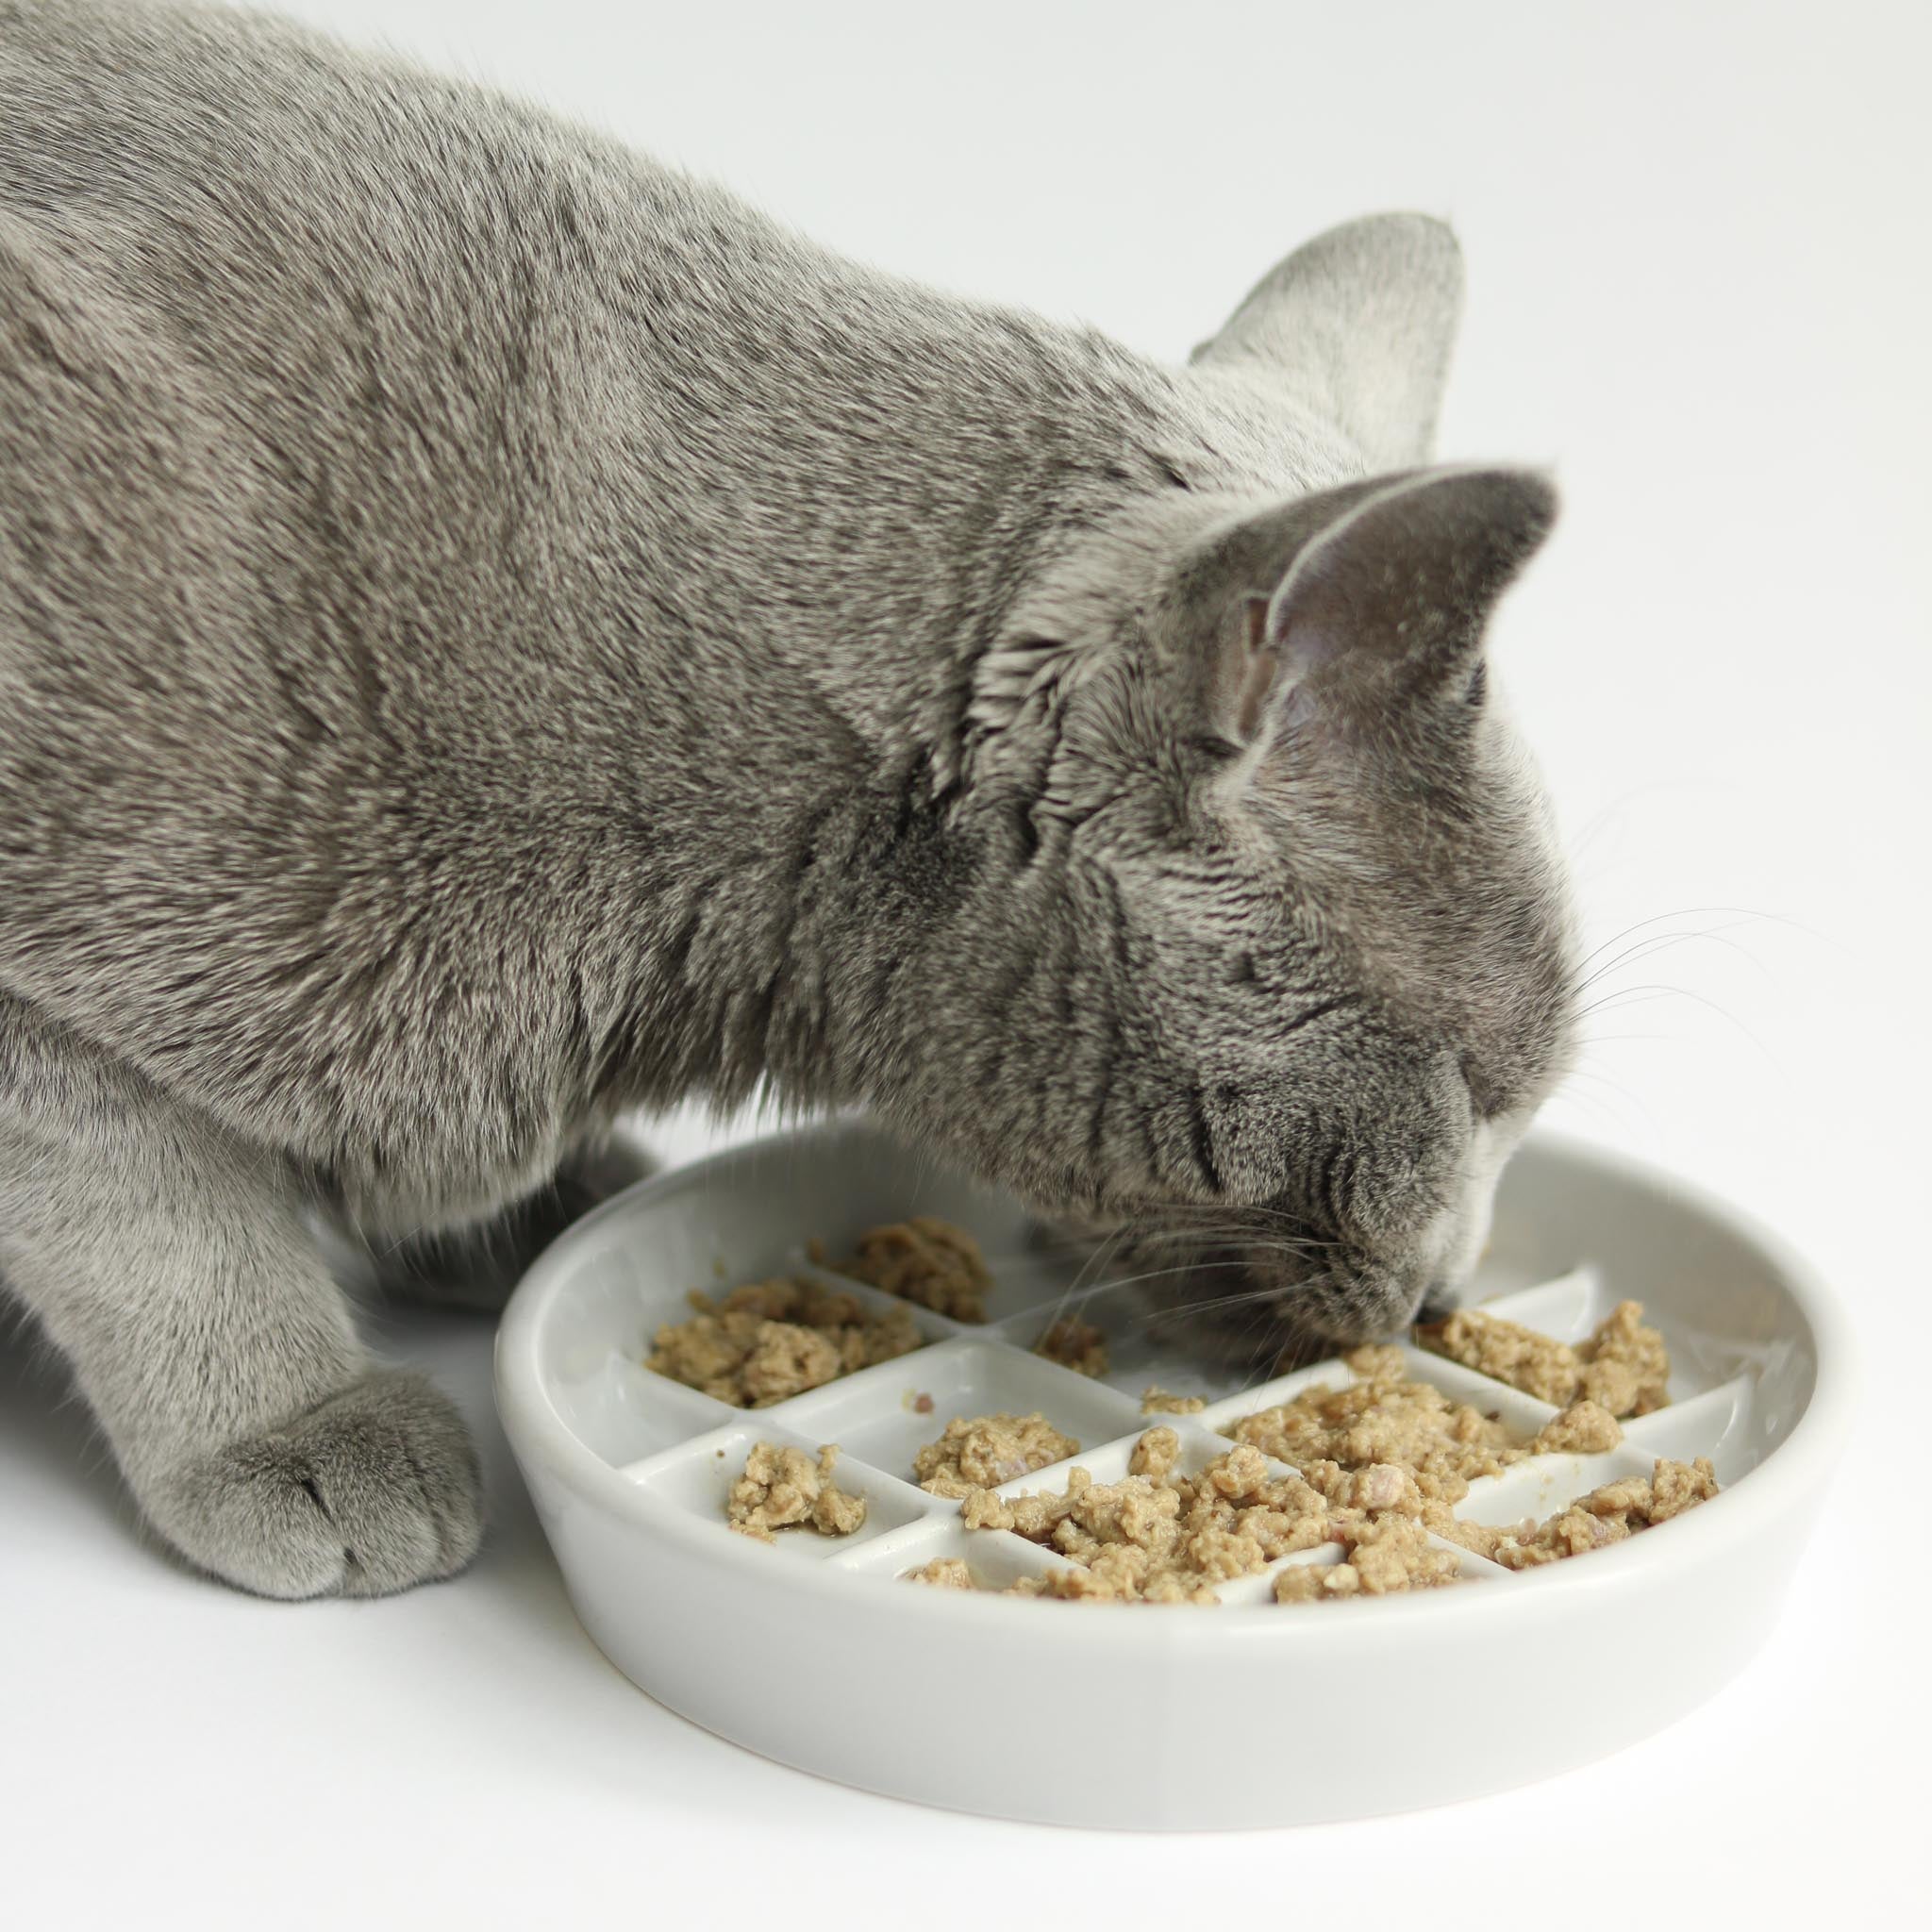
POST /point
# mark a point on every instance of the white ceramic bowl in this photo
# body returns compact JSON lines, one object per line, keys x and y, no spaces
{"x":814,"y":1652}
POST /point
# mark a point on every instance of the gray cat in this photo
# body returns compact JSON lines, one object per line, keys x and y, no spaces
{"x":494,"y":634}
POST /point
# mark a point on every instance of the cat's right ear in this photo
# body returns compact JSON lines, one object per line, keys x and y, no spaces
{"x":1351,"y":609}
{"x":1358,"y":324}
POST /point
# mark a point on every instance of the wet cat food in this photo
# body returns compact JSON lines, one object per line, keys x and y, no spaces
{"x":783,"y":1488}
{"x":925,"y":1260}
{"x":1382,"y":1417}
{"x":982,"y":1452}
{"x":944,"y":1573}
{"x":1379,"y":1465}
{"x":1159,"y":1402}
{"x":1608,"y":1515}
{"x":1074,"y":1344}
{"x":1585,"y":1428}
{"x":1374,"y":1468}
{"x":1157,"y":1536}
{"x":770,"y":1340}
{"x":1623,"y":1366}
{"x":1388,"y":1553}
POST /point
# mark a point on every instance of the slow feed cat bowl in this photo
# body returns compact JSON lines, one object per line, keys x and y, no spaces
{"x":814,"y":1651}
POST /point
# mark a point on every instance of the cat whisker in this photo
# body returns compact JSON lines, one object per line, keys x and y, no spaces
{"x":1646,"y":949}
{"x":1742,"y":914}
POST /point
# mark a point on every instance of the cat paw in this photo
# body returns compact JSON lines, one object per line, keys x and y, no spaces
{"x":373,"y":1490}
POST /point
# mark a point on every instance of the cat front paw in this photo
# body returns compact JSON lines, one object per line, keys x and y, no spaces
{"x":370,"y":1491}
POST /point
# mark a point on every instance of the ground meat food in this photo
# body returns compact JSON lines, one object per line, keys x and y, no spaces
{"x":1382,"y":1417}
{"x":1118,"y":1574}
{"x":1623,"y":1366}
{"x":1441,"y":1520}
{"x":984,"y":1451}
{"x":1159,"y":1402}
{"x":944,"y":1573}
{"x":1585,"y":1428}
{"x":1157,"y":1536}
{"x":924,"y":1261}
{"x":1388,"y":1555}
{"x":1626,"y":1365}
{"x":982,"y":1510}
{"x":1376,"y":1466}
{"x":1537,"y":1364}
{"x":1077,"y":1345}
{"x":1608,"y":1515}
{"x":770,"y":1340}
{"x":782,"y":1488}
{"x":1155,"y":1453}
{"x":1675,"y":1487}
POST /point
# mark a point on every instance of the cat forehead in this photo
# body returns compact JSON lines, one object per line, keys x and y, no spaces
{"x":1449,"y":903}
{"x":1437,"y":857}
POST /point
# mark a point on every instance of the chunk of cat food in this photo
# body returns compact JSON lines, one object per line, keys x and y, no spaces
{"x":981,"y":1452}
{"x":1675,"y":1487}
{"x":1480,"y":1538}
{"x":1626,"y":1367}
{"x":783,"y":1488}
{"x":1159,"y":1402}
{"x":1609,"y":1515}
{"x":768,"y":1340}
{"x":1331,"y":1435}
{"x":1388,"y":1556}
{"x":1118,"y":1574}
{"x":924,"y":1261}
{"x":982,"y":1510}
{"x":1585,"y":1428}
{"x":944,"y":1573}
{"x":1623,"y":1366}
{"x":1157,"y":1536}
{"x":1537,"y":1364}
{"x":1155,"y":1453}
{"x":1074,"y":1344}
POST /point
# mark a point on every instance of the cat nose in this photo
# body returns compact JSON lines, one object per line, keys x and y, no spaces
{"x":1439,"y":1300}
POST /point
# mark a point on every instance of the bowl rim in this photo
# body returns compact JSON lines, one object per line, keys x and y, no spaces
{"x":1760,"y":1504}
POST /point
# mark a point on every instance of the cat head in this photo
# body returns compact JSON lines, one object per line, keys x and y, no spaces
{"x":1272,"y":956}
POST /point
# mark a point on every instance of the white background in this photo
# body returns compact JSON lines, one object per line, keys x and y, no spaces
{"x":1697,"y":241}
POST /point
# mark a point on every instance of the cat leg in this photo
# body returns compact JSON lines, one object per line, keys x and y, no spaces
{"x":477,"y":1266}
{"x":170,"y":1264}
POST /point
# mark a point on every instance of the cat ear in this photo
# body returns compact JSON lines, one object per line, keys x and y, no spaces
{"x":1383,"y":606}
{"x":1358,"y":324}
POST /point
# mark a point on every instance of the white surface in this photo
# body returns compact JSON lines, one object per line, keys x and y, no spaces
{"x":812,"y":1651}
{"x":1699,"y":280}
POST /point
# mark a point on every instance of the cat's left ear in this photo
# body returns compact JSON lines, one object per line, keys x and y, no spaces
{"x":1358,"y":324}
